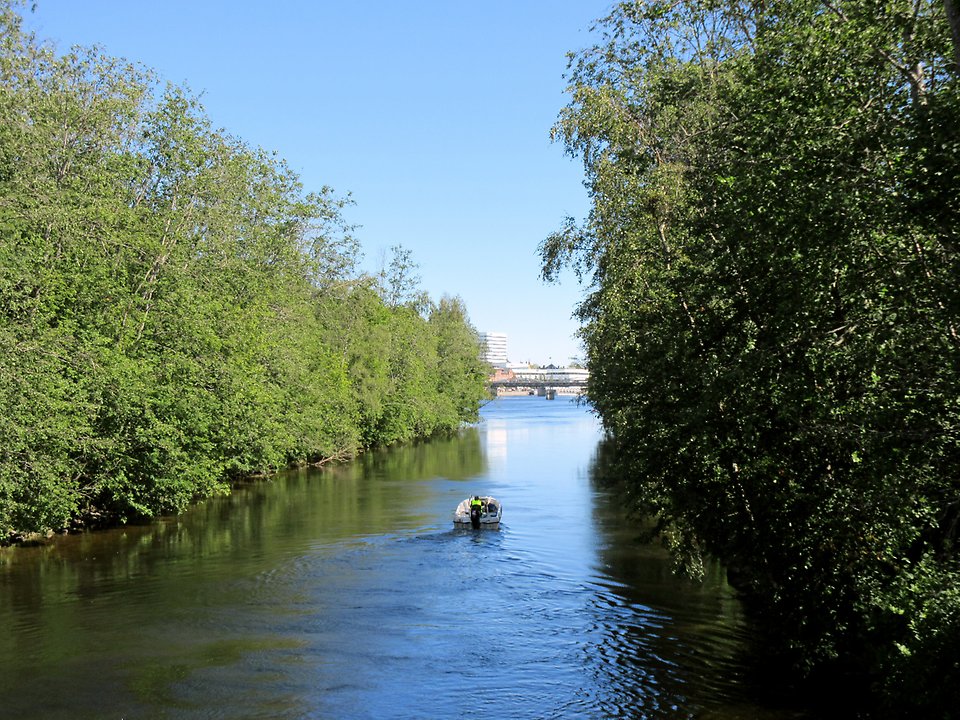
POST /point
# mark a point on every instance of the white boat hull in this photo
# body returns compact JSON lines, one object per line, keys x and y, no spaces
{"x":489,"y":518}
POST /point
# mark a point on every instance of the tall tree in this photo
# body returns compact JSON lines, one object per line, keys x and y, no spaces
{"x":400,"y":282}
{"x":772,"y":328}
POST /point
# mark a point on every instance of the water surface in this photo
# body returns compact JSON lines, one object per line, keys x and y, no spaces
{"x":346,"y":593}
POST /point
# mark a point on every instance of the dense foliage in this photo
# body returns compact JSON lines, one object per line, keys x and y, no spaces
{"x":772,"y":328}
{"x":175,"y":310}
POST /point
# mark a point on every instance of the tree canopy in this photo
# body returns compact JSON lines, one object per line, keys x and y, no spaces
{"x":772,"y":327}
{"x":176,"y":310}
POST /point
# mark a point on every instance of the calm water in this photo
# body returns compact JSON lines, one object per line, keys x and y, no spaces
{"x":345,"y":593}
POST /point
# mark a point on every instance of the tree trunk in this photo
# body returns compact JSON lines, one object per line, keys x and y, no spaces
{"x":953,"y":17}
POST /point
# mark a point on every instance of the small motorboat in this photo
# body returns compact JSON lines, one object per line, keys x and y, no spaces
{"x":485,"y":515}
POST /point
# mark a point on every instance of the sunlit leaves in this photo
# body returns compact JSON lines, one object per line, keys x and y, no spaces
{"x":176,"y":310}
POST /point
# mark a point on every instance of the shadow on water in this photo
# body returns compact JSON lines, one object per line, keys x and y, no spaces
{"x":691,"y":636}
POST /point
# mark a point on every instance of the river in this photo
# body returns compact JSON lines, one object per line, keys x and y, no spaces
{"x":346,"y":593}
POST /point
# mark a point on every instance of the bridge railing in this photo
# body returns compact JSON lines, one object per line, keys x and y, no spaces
{"x":536,"y":383}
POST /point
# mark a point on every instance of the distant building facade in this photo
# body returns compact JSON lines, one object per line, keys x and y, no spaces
{"x":502,"y":374}
{"x":494,"y":348}
{"x":549,"y":381}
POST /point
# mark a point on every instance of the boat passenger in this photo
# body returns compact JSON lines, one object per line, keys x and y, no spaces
{"x":476,"y":510}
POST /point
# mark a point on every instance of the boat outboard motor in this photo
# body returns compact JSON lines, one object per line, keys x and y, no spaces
{"x":475,"y":516}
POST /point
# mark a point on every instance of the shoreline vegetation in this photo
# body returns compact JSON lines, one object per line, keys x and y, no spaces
{"x":178,"y":312}
{"x":773,"y":324}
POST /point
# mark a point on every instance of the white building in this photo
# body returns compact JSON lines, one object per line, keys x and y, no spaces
{"x":494,"y":348}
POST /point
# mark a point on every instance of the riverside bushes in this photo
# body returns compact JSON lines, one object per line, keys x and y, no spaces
{"x":176,"y":310}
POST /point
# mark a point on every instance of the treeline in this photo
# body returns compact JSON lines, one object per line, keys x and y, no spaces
{"x":772,"y":328}
{"x":176,"y":310}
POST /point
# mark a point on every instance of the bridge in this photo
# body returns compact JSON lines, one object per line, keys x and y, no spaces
{"x":541,"y":388}
{"x":518,"y":383}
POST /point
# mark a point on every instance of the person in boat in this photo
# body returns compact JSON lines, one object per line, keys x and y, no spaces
{"x":476,"y":509}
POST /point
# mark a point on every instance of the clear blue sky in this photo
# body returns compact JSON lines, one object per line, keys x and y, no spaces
{"x":433,"y":115}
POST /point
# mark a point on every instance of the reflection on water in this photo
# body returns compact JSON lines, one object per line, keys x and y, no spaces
{"x":346,"y":593}
{"x":495,"y":434}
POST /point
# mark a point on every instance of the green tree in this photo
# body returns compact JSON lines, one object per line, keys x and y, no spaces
{"x":772,"y":324}
{"x":461,"y":372}
{"x":176,"y":310}
{"x":399,"y":282}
